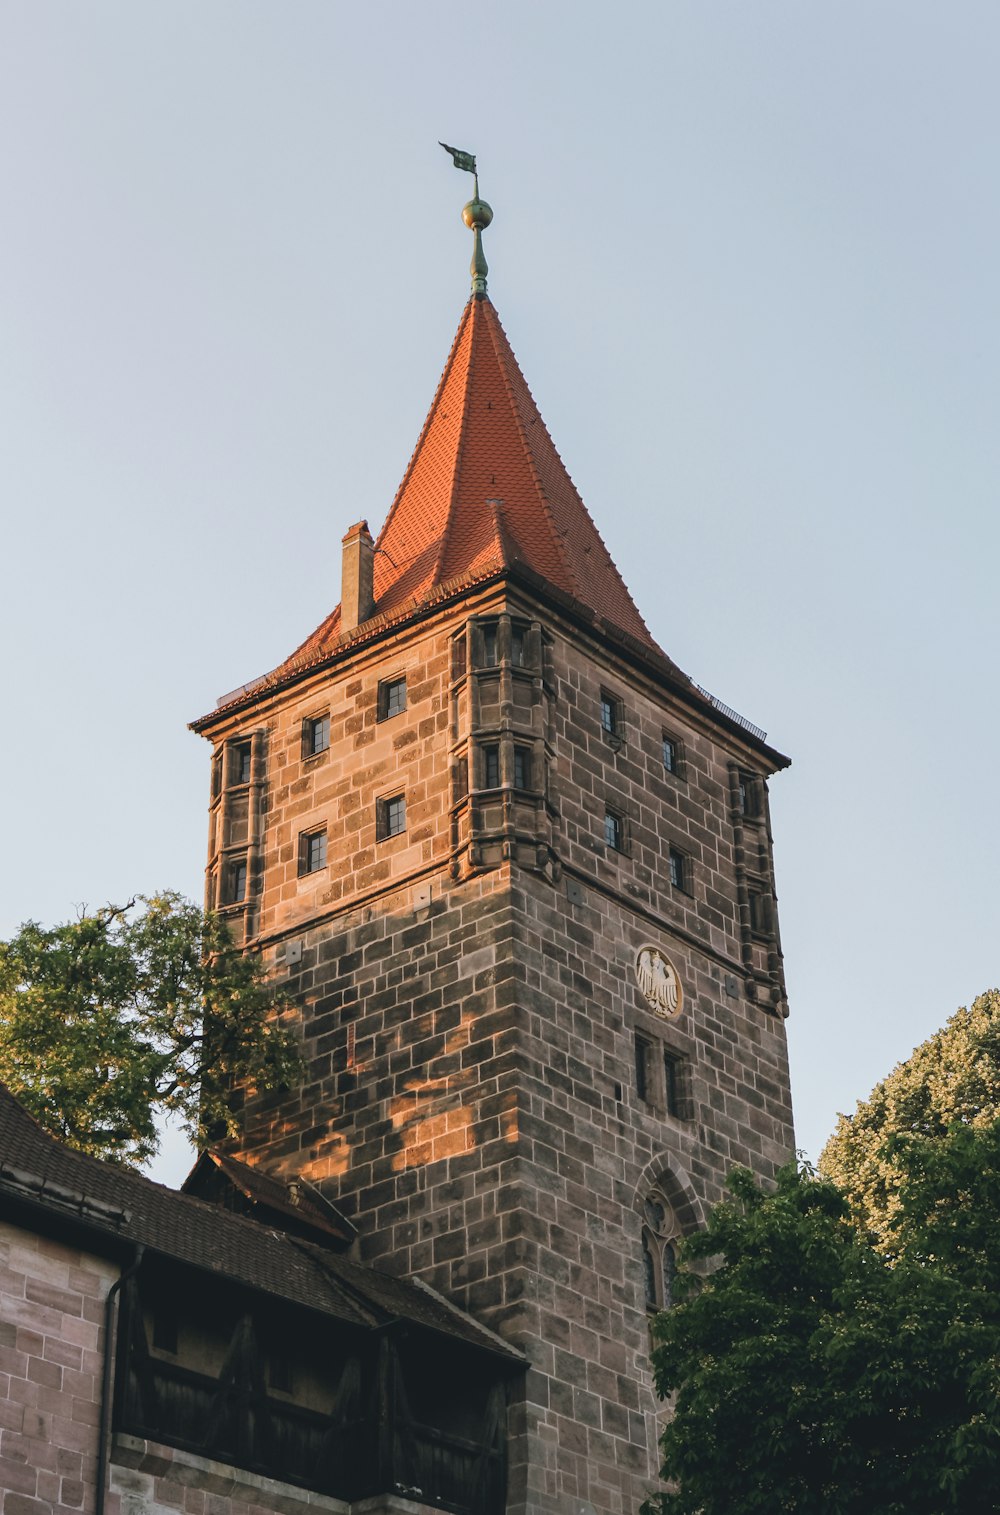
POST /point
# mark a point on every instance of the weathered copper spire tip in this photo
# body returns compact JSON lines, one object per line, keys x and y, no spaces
{"x":477,"y":215}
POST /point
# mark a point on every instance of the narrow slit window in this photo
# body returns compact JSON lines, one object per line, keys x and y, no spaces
{"x":750,"y":797}
{"x":517,"y":636}
{"x":669,"y":1259}
{"x":678,"y":865}
{"x":522,"y":767}
{"x":491,"y":767}
{"x":642,"y":1051}
{"x":649,"y":1271}
{"x":759,"y":923}
{"x":671,"y":1084}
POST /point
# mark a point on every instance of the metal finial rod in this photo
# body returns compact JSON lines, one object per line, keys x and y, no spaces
{"x":477,"y":215}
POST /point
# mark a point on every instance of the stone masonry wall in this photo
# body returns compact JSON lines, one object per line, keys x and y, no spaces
{"x":150,"y":1479}
{"x":51,"y":1313}
{"x":472,"y":1094}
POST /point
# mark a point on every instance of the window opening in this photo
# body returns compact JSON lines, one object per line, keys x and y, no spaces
{"x":758,"y":913}
{"x":489,"y":635}
{"x":241,"y":763}
{"x":750,"y":799}
{"x":317,"y":735}
{"x":678,"y":869}
{"x":391,"y":816}
{"x":522,"y":767}
{"x":613,"y":830}
{"x":237,"y":882}
{"x":660,"y":1235}
{"x":312,"y":852}
{"x":491,"y":767}
{"x":391,"y":698}
{"x":671,"y":1083}
{"x":649,"y":1271}
{"x":669,"y":1261}
{"x":611,"y":716}
{"x":671,"y":754}
{"x":642,"y":1051}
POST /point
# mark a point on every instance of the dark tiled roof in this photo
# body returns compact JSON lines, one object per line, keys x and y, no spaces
{"x":121,"y":1204}
{"x":306,"y":1211}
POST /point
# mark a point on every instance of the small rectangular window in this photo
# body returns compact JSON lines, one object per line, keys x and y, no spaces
{"x":671,"y":754}
{"x":678,"y":869}
{"x":614,"y":830}
{"x":237,"y":882}
{"x":491,"y":767}
{"x":750,"y":796}
{"x":391,"y":817}
{"x":312,"y":851}
{"x":241,"y":763}
{"x":391,"y":698}
{"x":759,"y":923}
{"x":517,"y":646}
{"x":522,"y":767}
{"x":217,"y":775}
{"x":488,"y":632}
{"x":316,"y":735}
{"x":671,"y":1083}
{"x":643,"y":1048}
{"x":611,"y":714}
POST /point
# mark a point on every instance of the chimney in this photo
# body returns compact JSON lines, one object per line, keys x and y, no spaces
{"x":357,"y":599}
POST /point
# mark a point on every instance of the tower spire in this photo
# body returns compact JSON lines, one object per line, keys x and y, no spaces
{"x":477,"y":215}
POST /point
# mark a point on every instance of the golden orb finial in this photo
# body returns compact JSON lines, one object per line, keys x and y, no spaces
{"x":477,"y":213}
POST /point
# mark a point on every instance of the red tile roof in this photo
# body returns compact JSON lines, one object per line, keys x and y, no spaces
{"x":485,"y":490}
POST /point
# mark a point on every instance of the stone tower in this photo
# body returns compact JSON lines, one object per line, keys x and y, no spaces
{"x":514,"y":867}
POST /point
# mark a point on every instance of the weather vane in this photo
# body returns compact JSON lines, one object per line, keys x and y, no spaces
{"x":477,"y":215}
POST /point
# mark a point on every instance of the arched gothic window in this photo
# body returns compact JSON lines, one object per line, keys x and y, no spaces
{"x":660,"y":1235}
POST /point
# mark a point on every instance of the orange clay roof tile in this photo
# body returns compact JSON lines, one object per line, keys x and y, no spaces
{"x":485,"y":489}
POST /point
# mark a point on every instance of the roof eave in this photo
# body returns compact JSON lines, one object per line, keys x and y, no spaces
{"x":650,"y":657}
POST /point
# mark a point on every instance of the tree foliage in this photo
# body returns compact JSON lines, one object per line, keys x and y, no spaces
{"x":128,"y":1012}
{"x":951,"y":1079}
{"x":814,"y":1374}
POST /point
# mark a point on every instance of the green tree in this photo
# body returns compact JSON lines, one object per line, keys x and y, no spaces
{"x":814,"y":1374}
{"x":127,"y":1013}
{"x":951,"y":1079}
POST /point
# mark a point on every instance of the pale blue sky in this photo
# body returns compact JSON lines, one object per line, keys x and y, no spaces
{"x":747,"y":256}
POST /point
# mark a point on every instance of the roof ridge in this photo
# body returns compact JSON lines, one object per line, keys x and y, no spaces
{"x":529,"y":454}
{"x":456,"y":472}
{"x":449,"y":363}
